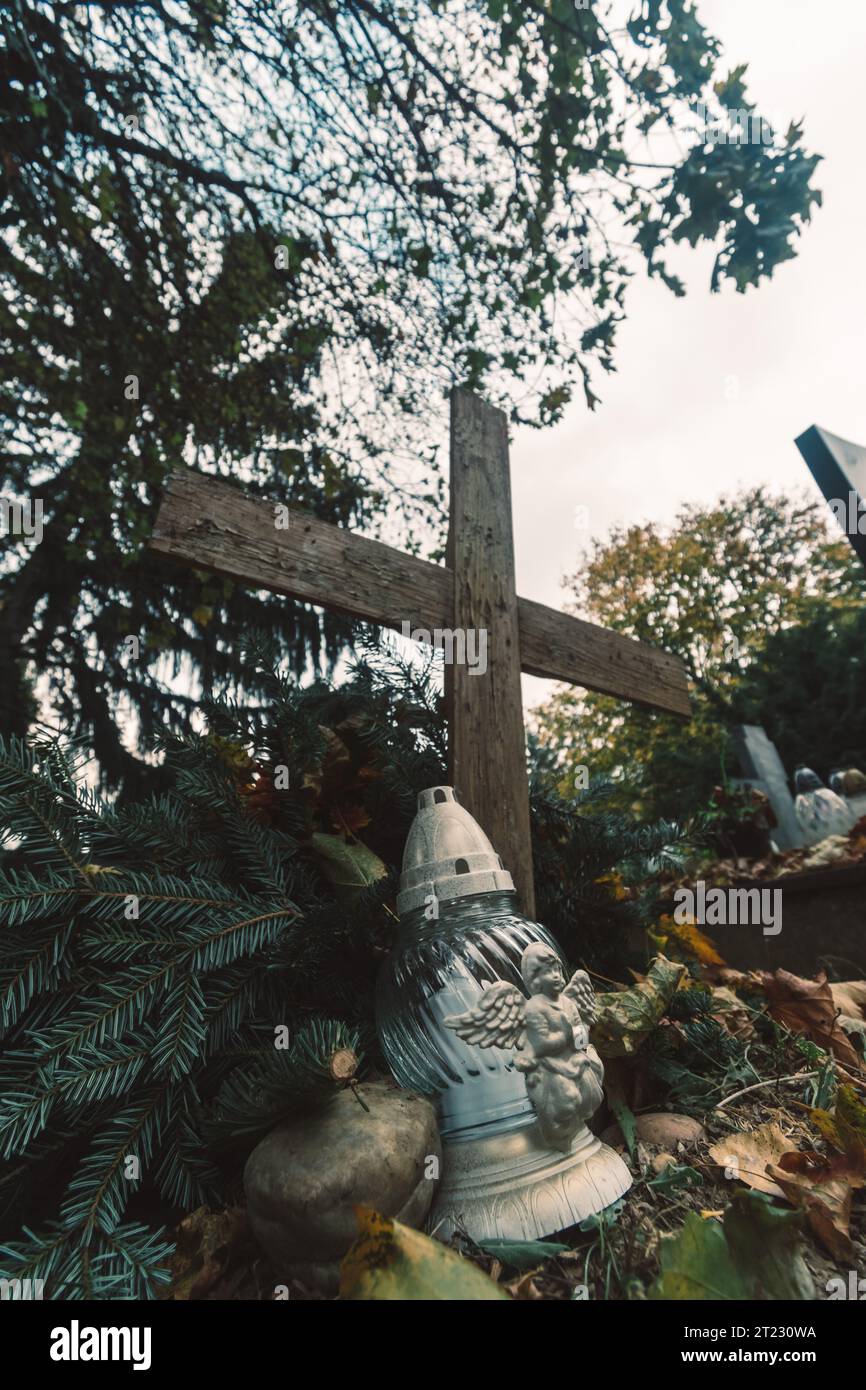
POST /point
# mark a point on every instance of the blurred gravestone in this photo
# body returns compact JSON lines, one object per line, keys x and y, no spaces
{"x":761,"y":767}
{"x":839,"y":469}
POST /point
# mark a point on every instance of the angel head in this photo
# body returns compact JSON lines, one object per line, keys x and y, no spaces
{"x":542,"y":970}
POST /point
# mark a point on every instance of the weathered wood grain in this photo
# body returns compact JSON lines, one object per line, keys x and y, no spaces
{"x":209,"y":523}
{"x":564,"y":648}
{"x":487,"y":749}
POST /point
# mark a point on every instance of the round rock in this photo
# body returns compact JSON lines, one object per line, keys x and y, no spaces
{"x":660,"y":1130}
{"x":303,"y":1181}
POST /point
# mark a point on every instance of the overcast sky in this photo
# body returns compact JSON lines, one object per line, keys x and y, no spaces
{"x":711,"y":390}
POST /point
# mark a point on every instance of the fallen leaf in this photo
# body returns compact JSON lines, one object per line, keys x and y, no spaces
{"x":754,"y":1254}
{"x":626,"y":1017}
{"x":748,"y":1154}
{"x":695,"y":942}
{"x":208,"y":1246}
{"x":849,"y":997}
{"x":765,"y":1243}
{"x":854,"y":1028}
{"x":822,"y":1188}
{"x":748,"y":980}
{"x":806,"y":1006}
{"x":829,"y":851}
{"x":696,"y":1264}
{"x":845,"y":1129}
{"x":390,"y":1262}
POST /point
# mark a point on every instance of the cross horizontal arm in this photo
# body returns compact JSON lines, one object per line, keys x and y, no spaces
{"x":206,"y":522}
{"x":561,"y":647}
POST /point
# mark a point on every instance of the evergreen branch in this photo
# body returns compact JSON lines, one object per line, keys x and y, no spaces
{"x":182,"y":1034}
{"x":98,"y":1193}
{"x":32,"y":972}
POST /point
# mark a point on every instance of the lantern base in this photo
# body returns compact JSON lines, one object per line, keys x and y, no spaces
{"x":512,"y":1186}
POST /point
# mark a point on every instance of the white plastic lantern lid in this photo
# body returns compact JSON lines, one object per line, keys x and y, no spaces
{"x":447,"y":855}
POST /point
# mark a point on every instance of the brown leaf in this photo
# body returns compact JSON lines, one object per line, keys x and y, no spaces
{"x":849,"y":997}
{"x":806,"y":1006}
{"x":734,"y":979}
{"x":208,"y":1246}
{"x":822,"y":1188}
{"x":752,"y":1153}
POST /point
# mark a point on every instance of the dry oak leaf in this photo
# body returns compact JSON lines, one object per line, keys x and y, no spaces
{"x":746,"y":1156}
{"x":849,"y":997}
{"x":806,"y":1006}
{"x":822,"y":1188}
{"x":748,"y":980}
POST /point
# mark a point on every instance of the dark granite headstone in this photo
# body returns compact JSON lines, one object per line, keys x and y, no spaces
{"x":839,"y":469}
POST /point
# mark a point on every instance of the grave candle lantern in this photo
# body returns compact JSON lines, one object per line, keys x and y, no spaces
{"x":455,"y":1023}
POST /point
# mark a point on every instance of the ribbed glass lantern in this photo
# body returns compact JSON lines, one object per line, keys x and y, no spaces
{"x":460,"y":931}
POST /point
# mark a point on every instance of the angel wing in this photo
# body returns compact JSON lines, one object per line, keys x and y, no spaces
{"x":579,"y":988}
{"x":495,"y":1021}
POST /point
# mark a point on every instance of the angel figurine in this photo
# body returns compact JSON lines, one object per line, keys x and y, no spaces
{"x":563,"y":1071}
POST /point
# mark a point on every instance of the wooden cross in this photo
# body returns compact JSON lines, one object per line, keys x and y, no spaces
{"x":210,"y":524}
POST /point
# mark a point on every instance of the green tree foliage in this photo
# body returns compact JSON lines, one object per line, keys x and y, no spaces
{"x":149,"y":952}
{"x":261,"y":239}
{"x":764,"y":604}
{"x":809,"y":690}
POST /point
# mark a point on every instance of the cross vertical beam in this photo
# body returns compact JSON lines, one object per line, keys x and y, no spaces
{"x":487,"y":749}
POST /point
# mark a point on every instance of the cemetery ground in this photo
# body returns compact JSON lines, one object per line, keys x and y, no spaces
{"x":736,"y":1096}
{"x":696,"y":1169}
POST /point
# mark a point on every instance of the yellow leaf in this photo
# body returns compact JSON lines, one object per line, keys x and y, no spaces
{"x":692,"y":940}
{"x":392,"y":1262}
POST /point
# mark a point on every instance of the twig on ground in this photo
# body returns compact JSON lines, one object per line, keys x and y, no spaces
{"x":773,"y":1081}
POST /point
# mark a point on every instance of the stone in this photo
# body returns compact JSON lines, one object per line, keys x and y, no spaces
{"x":660,"y":1130}
{"x":303,"y":1181}
{"x":664,"y":1130}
